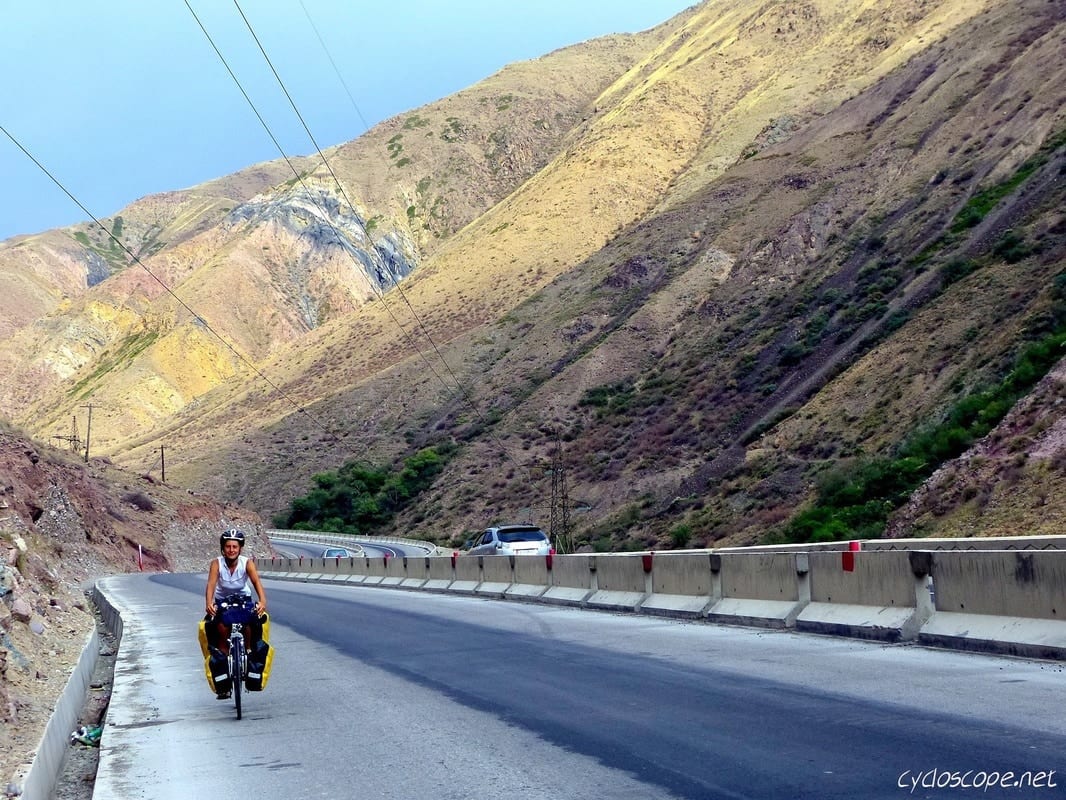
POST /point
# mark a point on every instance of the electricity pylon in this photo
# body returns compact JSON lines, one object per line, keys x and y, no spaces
{"x":560,"y":511}
{"x":74,"y":439}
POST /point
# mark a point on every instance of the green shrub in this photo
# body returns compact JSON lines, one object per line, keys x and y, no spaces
{"x":681,"y":535}
{"x":1011,"y":248}
{"x":978,"y":206}
{"x":957,"y":269}
{"x":360,"y":497}
{"x":613,"y":398}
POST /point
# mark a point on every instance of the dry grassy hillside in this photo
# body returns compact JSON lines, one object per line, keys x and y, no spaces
{"x":233,"y":271}
{"x":770,"y":246}
{"x":721,"y":237}
{"x":40,"y":272}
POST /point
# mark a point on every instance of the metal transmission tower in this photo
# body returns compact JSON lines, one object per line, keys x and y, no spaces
{"x":560,"y":512}
{"x":74,"y":439}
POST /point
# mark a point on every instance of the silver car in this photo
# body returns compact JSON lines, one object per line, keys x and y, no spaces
{"x":511,"y":540}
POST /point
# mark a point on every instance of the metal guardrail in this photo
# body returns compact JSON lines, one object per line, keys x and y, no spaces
{"x":346,"y":540}
{"x":301,"y":536}
{"x":945,"y":543}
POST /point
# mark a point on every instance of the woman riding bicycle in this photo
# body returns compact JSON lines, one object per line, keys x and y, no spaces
{"x":230,"y":574}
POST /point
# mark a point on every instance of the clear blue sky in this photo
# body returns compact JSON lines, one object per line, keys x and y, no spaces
{"x":119,"y":99}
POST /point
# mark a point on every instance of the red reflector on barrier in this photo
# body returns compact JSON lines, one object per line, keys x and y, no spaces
{"x":854,"y":546}
{"x":455,"y":554}
{"x":646,"y":560}
{"x":548,"y":560}
{"x":847,"y":561}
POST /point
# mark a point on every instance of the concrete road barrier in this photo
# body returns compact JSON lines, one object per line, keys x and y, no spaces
{"x":1010,"y":602}
{"x":416,"y":571}
{"x":572,"y":580}
{"x":531,"y":577}
{"x":766,"y":590}
{"x":40,"y":777}
{"x":395,"y":571}
{"x":336,"y":570}
{"x":622,"y":583}
{"x":467,"y":574}
{"x":497,"y":575}
{"x":867,"y":595}
{"x":682,"y":584}
{"x":951,"y":543}
{"x":374,"y":568}
{"x":316,"y":568}
{"x":441,"y":574}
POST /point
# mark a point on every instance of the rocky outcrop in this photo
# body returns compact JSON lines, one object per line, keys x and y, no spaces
{"x":322,"y":247}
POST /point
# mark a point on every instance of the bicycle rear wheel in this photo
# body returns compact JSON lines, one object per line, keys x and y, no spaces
{"x":236,"y":670}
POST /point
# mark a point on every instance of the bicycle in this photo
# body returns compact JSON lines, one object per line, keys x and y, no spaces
{"x":236,"y":610}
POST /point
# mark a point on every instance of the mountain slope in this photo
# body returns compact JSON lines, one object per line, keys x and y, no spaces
{"x":264,"y":269}
{"x":779,"y":244}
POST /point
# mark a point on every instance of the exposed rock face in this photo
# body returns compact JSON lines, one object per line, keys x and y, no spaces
{"x":322,"y":249}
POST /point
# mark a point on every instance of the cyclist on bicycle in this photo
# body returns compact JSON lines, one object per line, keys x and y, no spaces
{"x":229,"y":574}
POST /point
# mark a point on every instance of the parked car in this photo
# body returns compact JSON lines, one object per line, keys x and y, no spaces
{"x":336,"y":552}
{"x":511,"y":540}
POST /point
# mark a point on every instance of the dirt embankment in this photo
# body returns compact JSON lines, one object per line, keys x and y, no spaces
{"x":63,"y":524}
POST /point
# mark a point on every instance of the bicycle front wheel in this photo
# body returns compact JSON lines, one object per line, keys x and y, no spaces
{"x":236,"y":670}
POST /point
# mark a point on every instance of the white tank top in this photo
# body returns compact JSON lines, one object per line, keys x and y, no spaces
{"x":233,"y":582}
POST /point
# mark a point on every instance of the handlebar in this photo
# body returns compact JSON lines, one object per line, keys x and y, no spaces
{"x":236,"y":608}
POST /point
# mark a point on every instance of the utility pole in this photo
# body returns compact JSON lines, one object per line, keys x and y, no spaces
{"x":88,"y":428}
{"x":560,"y":510}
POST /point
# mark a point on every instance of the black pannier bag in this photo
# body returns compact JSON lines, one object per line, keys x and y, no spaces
{"x":260,"y":658}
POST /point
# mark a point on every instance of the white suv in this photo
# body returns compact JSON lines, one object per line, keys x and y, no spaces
{"x":512,"y":540}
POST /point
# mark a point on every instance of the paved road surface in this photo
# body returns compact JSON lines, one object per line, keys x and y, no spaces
{"x":394,"y":694}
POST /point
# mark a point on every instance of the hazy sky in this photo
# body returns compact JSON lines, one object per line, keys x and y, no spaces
{"x":119,"y":99}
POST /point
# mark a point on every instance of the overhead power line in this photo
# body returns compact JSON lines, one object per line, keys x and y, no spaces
{"x":336,"y":71}
{"x":372,"y":250}
{"x":340,"y":187}
{"x":300,"y":178}
{"x":351,"y":206}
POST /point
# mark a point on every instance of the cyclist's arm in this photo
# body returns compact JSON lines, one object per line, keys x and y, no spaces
{"x":212,"y":582}
{"x":253,"y":576}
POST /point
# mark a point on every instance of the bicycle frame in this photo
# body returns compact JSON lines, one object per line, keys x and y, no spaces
{"x":232,"y":610}
{"x":238,"y":662}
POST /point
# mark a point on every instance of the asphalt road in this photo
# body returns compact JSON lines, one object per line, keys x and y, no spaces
{"x":371,"y":549}
{"x":385,"y":693}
